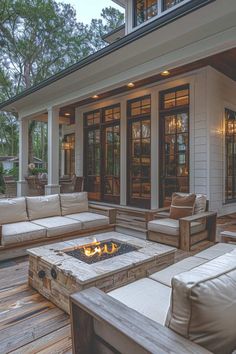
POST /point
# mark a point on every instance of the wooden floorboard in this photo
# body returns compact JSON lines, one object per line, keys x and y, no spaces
{"x":29,"y":323}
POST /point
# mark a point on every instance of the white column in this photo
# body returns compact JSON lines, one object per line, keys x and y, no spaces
{"x":23,"y":157}
{"x":79,"y":143}
{"x":154,"y":151}
{"x":123,"y":154}
{"x":53,"y":152}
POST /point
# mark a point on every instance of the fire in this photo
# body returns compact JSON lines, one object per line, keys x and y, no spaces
{"x":96,"y":248}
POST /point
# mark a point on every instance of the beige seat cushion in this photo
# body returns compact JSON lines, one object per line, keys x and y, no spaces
{"x":72,"y":203}
{"x":171,"y":226}
{"x":165,"y":276}
{"x":145,"y":296}
{"x":90,"y":220}
{"x":203,"y":305}
{"x":12,"y":210}
{"x":22,"y":232}
{"x":215,"y":251}
{"x":43,"y":207}
{"x":58,"y":225}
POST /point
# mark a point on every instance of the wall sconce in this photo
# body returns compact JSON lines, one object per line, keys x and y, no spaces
{"x":65,"y":145}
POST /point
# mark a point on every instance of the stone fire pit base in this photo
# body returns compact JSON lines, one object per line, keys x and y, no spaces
{"x":56,"y":275}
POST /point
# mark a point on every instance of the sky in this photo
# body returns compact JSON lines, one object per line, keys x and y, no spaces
{"x":88,"y":9}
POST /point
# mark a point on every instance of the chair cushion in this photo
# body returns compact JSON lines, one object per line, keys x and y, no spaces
{"x":215,"y":251}
{"x":43,"y":207}
{"x":165,"y":276}
{"x":182,"y":206}
{"x":72,"y":203}
{"x":89,"y":220}
{"x":171,"y":226}
{"x":203,"y":304}
{"x":200,"y":203}
{"x":145,"y":296}
{"x":12,"y":210}
{"x":22,"y":232}
{"x":58,"y":225}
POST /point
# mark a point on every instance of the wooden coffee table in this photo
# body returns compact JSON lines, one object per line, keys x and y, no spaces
{"x":56,"y":274}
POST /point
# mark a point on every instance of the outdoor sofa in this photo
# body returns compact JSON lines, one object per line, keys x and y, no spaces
{"x":187,"y":308}
{"x":29,"y":221}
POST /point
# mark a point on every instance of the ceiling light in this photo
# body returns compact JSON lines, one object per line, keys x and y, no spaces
{"x":67,"y":114}
{"x":165,"y":73}
{"x":95,"y":96}
{"x":130,"y":84}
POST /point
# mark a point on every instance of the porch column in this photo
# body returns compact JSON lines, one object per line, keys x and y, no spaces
{"x":53,"y":152}
{"x":123,"y":154}
{"x":23,"y":157}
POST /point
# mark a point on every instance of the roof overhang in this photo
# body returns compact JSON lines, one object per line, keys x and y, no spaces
{"x":142,"y":53}
{"x":120,"y":2}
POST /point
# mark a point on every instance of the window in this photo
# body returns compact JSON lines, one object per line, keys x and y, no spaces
{"x":139,"y":152}
{"x":102,"y":154}
{"x":144,"y":10}
{"x":174,"y":143}
{"x":230,"y":151}
{"x":167,"y":4}
{"x":69,"y":154}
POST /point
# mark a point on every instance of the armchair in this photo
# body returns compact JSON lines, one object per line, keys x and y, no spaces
{"x":185,"y":233}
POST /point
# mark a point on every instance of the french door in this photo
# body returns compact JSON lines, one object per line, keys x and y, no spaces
{"x":174,"y":143}
{"x":139,"y":153}
{"x":102,"y":154}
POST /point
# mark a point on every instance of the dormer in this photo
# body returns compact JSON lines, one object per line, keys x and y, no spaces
{"x":140,"y":12}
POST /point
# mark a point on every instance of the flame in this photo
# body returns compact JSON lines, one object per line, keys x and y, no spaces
{"x":96,"y":248}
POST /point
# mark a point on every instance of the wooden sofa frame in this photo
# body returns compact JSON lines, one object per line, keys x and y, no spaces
{"x":103,"y":325}
{"x":17,"y":250}
{"x":186,"y":241}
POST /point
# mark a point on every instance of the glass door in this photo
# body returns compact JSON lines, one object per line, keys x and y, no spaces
{"x":174,"y":143}
{"x":139,"y":153}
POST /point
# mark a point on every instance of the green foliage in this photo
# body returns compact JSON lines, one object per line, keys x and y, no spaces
{"x":38,"y":38}
{"x":13,"y":172}
{"x":35,"y":171}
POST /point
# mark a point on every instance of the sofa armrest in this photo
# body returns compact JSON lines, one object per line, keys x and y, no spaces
{"x":185,"y":228}
{"x":98,"y":320}
{"x":100,"y":209}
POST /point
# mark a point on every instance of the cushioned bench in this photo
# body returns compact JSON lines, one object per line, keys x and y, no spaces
{"x":194,"y":298}
{"x":29,"y":220}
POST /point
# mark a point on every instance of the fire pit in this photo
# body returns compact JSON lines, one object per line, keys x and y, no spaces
{"x":99,"y":251}
{"x":112,"y":260}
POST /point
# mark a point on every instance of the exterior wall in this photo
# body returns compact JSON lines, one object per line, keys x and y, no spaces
{"x":221,"y":94}
{"x":198,"y":132}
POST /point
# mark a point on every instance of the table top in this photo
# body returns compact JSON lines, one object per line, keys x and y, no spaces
{"x":54,"y":255}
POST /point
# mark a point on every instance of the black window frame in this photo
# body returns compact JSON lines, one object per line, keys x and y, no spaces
{"x":230,"y":137}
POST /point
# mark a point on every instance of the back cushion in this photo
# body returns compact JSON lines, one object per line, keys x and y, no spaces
{"x":203,"y":305}
{"x":182,"y":206}
{"x":72,"y":203}
{"x":12,"y":210}
{"x":43,"y":207}
{"x":200,"y":203}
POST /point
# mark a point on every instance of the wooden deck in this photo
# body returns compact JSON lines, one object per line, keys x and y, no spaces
{"x":28,"y":322}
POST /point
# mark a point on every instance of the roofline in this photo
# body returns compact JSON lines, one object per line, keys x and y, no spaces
{"x":120,"y":2}
{"x":129,"y":38}
{"x":113,"y":32}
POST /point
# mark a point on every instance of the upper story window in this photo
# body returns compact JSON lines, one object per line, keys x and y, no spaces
{"x":167,"y":4}
{"x":144,"y":10}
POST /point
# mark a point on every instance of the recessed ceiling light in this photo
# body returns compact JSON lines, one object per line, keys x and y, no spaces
{"x":95,"y":96}
{"x":130,"y":84}
{"x":67,"y":114}
{"x":165,"y":73}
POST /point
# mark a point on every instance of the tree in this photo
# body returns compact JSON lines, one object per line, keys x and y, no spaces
{"x":38,"y":38}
